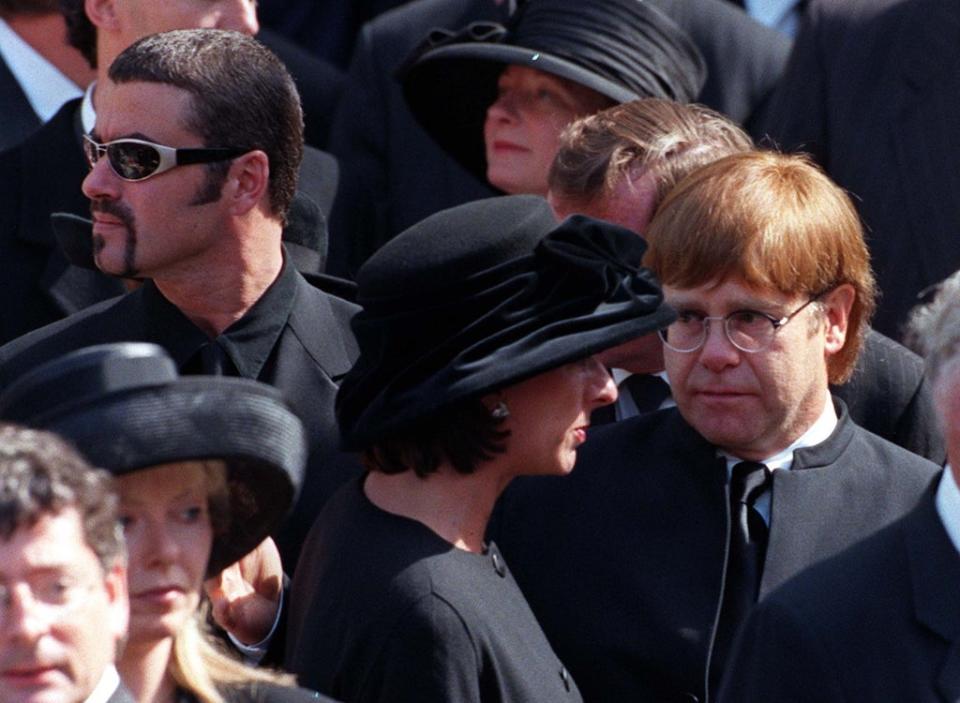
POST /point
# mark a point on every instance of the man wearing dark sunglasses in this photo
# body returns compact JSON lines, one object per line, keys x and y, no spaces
{"x":42,"y":175}
{"x":676,"y":522}
{"x":193,"y":165}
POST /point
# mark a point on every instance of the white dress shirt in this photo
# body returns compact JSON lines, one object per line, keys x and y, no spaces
{"x":782,"y":15}
{"x":948,"y":506}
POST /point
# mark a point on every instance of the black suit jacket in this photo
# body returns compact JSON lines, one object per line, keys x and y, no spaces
{"x":43,"y":175}
{"x":312,"y":353}
{"x":623,"y":562}
{"x":879,"y":622}
{"x":17,"y":119}
{"x":319,"y":82}
{"x":395,"y":175}
{"x":873,"y":92}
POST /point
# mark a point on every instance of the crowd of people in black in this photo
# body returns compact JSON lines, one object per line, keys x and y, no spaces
{"x":479,"y":350}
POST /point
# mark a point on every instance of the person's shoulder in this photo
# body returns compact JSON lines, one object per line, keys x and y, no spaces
{"x":873,"y":448}
{"x":265,"y":692}
{"x":92,"y":325}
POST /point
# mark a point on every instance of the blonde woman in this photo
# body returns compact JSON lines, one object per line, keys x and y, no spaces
{"x":206,"y":469}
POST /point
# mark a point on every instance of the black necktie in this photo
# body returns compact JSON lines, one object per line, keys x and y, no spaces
{"x":745,"y":554}
{"x":209,"y":360}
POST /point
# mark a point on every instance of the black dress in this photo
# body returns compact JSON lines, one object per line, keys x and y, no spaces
{"x":383,"y":609}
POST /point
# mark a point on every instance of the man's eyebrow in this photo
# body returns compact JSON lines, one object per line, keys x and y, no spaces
{"x":95,"y":136}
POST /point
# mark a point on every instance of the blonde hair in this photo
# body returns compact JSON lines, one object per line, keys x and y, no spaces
{"x":773,"y":220}
{"x":199,"y":664}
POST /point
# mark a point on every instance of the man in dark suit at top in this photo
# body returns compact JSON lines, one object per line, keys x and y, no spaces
{"x":39,"y":70}
{"x":63,"y":574}
{"x":642,"y":565}
{"x":880,"y":621}
{"x":42,"y":175}
{"x":872,"y":90}
{"x":204,"y":226}
{"x":619,"y":165}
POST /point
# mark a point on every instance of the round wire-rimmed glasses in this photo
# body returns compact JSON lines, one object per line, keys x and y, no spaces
{"x":750,"y":331}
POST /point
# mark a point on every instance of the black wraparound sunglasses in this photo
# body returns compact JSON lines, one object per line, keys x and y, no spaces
{"x":136,"y":159}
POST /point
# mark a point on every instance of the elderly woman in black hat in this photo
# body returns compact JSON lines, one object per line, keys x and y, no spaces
{"x":477,"y":341}
{"x":496,"y":98}
{"x":206,"y":468}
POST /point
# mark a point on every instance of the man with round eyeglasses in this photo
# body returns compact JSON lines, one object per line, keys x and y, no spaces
{"x":677,"y":522}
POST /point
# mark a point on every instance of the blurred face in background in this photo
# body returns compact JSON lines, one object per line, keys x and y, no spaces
{"x":523,"y":126}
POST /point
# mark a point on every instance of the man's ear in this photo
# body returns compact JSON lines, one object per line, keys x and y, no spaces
{"x":115,"y":582}
{"x":102,"y":13}
{"x":248,"y":182}
{"x":837,"y":305}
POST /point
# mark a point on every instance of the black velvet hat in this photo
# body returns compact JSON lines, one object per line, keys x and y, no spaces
{"x":622,"y":49}
{"x":125,"y":408}
{"x":482,"y":296}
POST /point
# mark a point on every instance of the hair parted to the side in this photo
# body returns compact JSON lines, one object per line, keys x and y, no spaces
{"x":772,"y":220}
{"x":243,"y":97}
{"x":40,"y":475}
{"x":81,"y":32}
{"x":665,"y":139}
{"x":464,"y":435}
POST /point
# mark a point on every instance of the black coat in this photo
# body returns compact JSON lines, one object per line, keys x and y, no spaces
{"x":394,"y":174}
{"x":43,"y":175}
{"x":879,"y":622}
{"x":313,"y":350}
{"x":623,"y":562}
{"x":873,"y":92}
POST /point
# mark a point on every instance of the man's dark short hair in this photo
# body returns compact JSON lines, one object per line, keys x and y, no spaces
{"x":40,"y":475}
{"x":243,"y":96}
{"x":81,"y":32}
{"x":465,"y":435}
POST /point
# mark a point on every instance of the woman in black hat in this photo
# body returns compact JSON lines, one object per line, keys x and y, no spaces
{"x":206,"y":468}
{"x":477,"y":341}
{"x":496,"y":98}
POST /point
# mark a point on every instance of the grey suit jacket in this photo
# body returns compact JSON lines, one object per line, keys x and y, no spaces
{"x":623,"y":562}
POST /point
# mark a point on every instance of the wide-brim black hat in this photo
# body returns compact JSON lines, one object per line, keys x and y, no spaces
{"x":124,"y":407}
{"x":622,"y":49}
{"x":482,"y":296}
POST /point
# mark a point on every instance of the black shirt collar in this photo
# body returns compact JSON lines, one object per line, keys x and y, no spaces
{"x":247,"y":343}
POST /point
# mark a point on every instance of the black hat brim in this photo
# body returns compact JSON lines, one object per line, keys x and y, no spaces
{"x":134,"y":416}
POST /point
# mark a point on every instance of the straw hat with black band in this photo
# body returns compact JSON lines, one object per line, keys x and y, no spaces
{"x":125,"y":408}
{"x":622,"y":49}
{"x":482,"y":296}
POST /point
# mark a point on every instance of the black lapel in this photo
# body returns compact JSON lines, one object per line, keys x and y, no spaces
{"x":52,"y":168}
{"x":319,"y":330}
